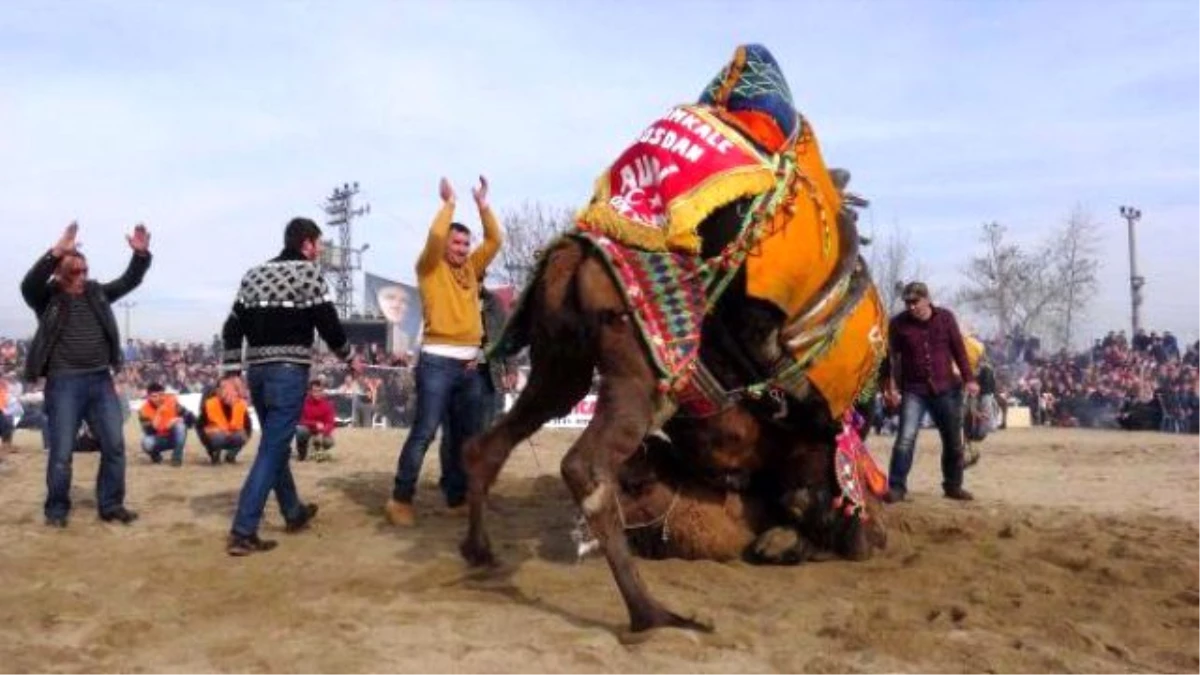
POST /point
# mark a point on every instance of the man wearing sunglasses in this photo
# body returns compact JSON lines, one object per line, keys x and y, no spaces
{"x":77,"y":348}
{"x":923,"y":341}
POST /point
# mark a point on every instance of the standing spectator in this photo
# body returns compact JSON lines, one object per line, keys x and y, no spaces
{"x":449,"y":385}
{"x":164,"y":425}
{"x":278,"y":306}
{"x":923,"y":342}
{"x":316,"y":423}
{"x":76,"y":348}
{"x":225,"y":424}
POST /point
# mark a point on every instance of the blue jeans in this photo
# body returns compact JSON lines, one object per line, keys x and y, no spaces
{"x":174,"y":440}
{"x":70,"y":400}
{"x":945,"y":410}
{"x":277,"y":391}
{"x":446,"y":390}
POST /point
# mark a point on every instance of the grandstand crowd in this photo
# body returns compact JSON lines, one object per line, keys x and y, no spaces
{"x":1148,"y":382}
{"x":383,"y":394}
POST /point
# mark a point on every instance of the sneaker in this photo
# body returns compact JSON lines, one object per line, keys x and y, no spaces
{"x":176,"y":462}
{"x":308,"y":512}
{"x":230,"y":458}
{"x":460,"y":511}
{"x":214,"y":456}
{"x":59,"y":522}
{"x":156,"y":458}
{"x":239,"y":546}
{"x":893,"y":496}
{"x":120,"y":514}
{"x":400,"y":513}
{"x":958,"y":494}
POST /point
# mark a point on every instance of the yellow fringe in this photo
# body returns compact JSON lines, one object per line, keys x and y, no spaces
{"x":689,"y":210}
{"x":603,"y":218}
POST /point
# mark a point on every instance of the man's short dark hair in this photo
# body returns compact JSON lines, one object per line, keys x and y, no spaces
{"x":459,"y":227}
{"x":154,"y":388}
{"x":298,"y":231}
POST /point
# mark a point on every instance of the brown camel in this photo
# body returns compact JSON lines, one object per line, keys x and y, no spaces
{"x":576,"y":321}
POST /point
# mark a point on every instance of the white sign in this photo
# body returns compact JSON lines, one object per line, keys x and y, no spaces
{"x":579,"y":417}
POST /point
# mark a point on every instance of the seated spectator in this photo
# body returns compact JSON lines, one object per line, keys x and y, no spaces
{"x":316,"y":424}
{"x":225,"y":424}
{"x":10,"y":412}
{"x":164,"y":423}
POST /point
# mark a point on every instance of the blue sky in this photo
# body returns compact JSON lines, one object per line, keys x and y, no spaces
{"x":216,"y":122}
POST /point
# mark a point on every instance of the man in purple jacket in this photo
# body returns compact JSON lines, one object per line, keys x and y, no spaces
{"x":923,"y":342}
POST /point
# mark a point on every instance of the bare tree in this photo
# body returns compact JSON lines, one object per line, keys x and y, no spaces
{"x":1014,"y":286}
{"x":527,"y":230}
{"x":1073,"y":253}
{"x":892,"y":265}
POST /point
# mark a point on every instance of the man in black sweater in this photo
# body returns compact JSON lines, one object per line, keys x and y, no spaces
{"x":77,"y":348}
{"x":278,"y":305}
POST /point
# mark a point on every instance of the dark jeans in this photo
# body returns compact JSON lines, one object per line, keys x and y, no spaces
{"x":277,"y":392}
{"x":6,"y":428}
{"x":446,"y":390}
{"x":945,"y":410}
{"x":69,"y":400}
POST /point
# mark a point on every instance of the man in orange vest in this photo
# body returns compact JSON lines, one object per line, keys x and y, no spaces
{"x":164,"y":423}
{"x":224,"y":421}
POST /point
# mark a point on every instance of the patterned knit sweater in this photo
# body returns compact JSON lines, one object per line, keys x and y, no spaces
{"x":279,"y":304}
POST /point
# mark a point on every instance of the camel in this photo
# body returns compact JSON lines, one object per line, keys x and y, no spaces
{"x":576,"y":320}
{"x":777,"y":449}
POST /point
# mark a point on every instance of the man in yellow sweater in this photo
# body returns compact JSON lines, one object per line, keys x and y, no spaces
{"x":449,"y":376}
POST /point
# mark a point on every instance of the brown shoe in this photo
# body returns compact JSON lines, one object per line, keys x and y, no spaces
{"x":460,"y":511}
{"x":239,"y":546}
{"x":400,"y":513}
{"x":893,"y":496}
{"x":959,"y":494}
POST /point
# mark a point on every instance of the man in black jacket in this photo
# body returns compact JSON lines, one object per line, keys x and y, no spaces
{"x":77,"y":348}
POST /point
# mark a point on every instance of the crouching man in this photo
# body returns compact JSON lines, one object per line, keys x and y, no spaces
{"x":164,"y":425}
{"x":316,"y":424}
{"x":225,"y":424}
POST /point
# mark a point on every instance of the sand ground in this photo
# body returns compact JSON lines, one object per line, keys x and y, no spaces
{"x":1080,"y":554}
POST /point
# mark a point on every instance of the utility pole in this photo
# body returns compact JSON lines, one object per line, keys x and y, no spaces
{"x":341,"y":260}
{"x":127,"y":305}
{"x":1131,"y":216}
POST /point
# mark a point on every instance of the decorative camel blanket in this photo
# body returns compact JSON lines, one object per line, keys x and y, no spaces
{"x":683,"y":167}
{"x":857,"y":472}
{"x":666,"y":295}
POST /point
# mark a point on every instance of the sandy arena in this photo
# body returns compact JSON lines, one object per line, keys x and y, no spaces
{"x":1079,"y":555}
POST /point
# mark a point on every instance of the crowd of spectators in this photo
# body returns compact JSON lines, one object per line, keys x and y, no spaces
{"x":1144,"y":383}
{"x":383,"y":394}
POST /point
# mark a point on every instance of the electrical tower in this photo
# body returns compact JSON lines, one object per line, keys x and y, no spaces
{"x":339,"y":259}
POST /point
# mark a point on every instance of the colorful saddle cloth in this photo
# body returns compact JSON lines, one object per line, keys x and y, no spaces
{"x":683,"y":167}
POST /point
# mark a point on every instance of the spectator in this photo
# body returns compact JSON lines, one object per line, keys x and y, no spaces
{"x":316,"y":424}
{"x":225,"y":424}
{"x":449,"y":381}
{"x":923,"y":342}
{"x":164,"y":425}
{"x":76,"y":348}
{"x":278,"y":307}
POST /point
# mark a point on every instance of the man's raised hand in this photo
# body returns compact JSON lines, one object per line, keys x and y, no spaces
{"x":139,"y":241}
{"x":446,"y":191}
{"x":66,"y":243}
{"x":480,"y":193}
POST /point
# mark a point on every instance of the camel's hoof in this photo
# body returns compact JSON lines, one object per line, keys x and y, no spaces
{"x":667,"y":619}
{"x":780,"y":546}
{"x":477,"y":555}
